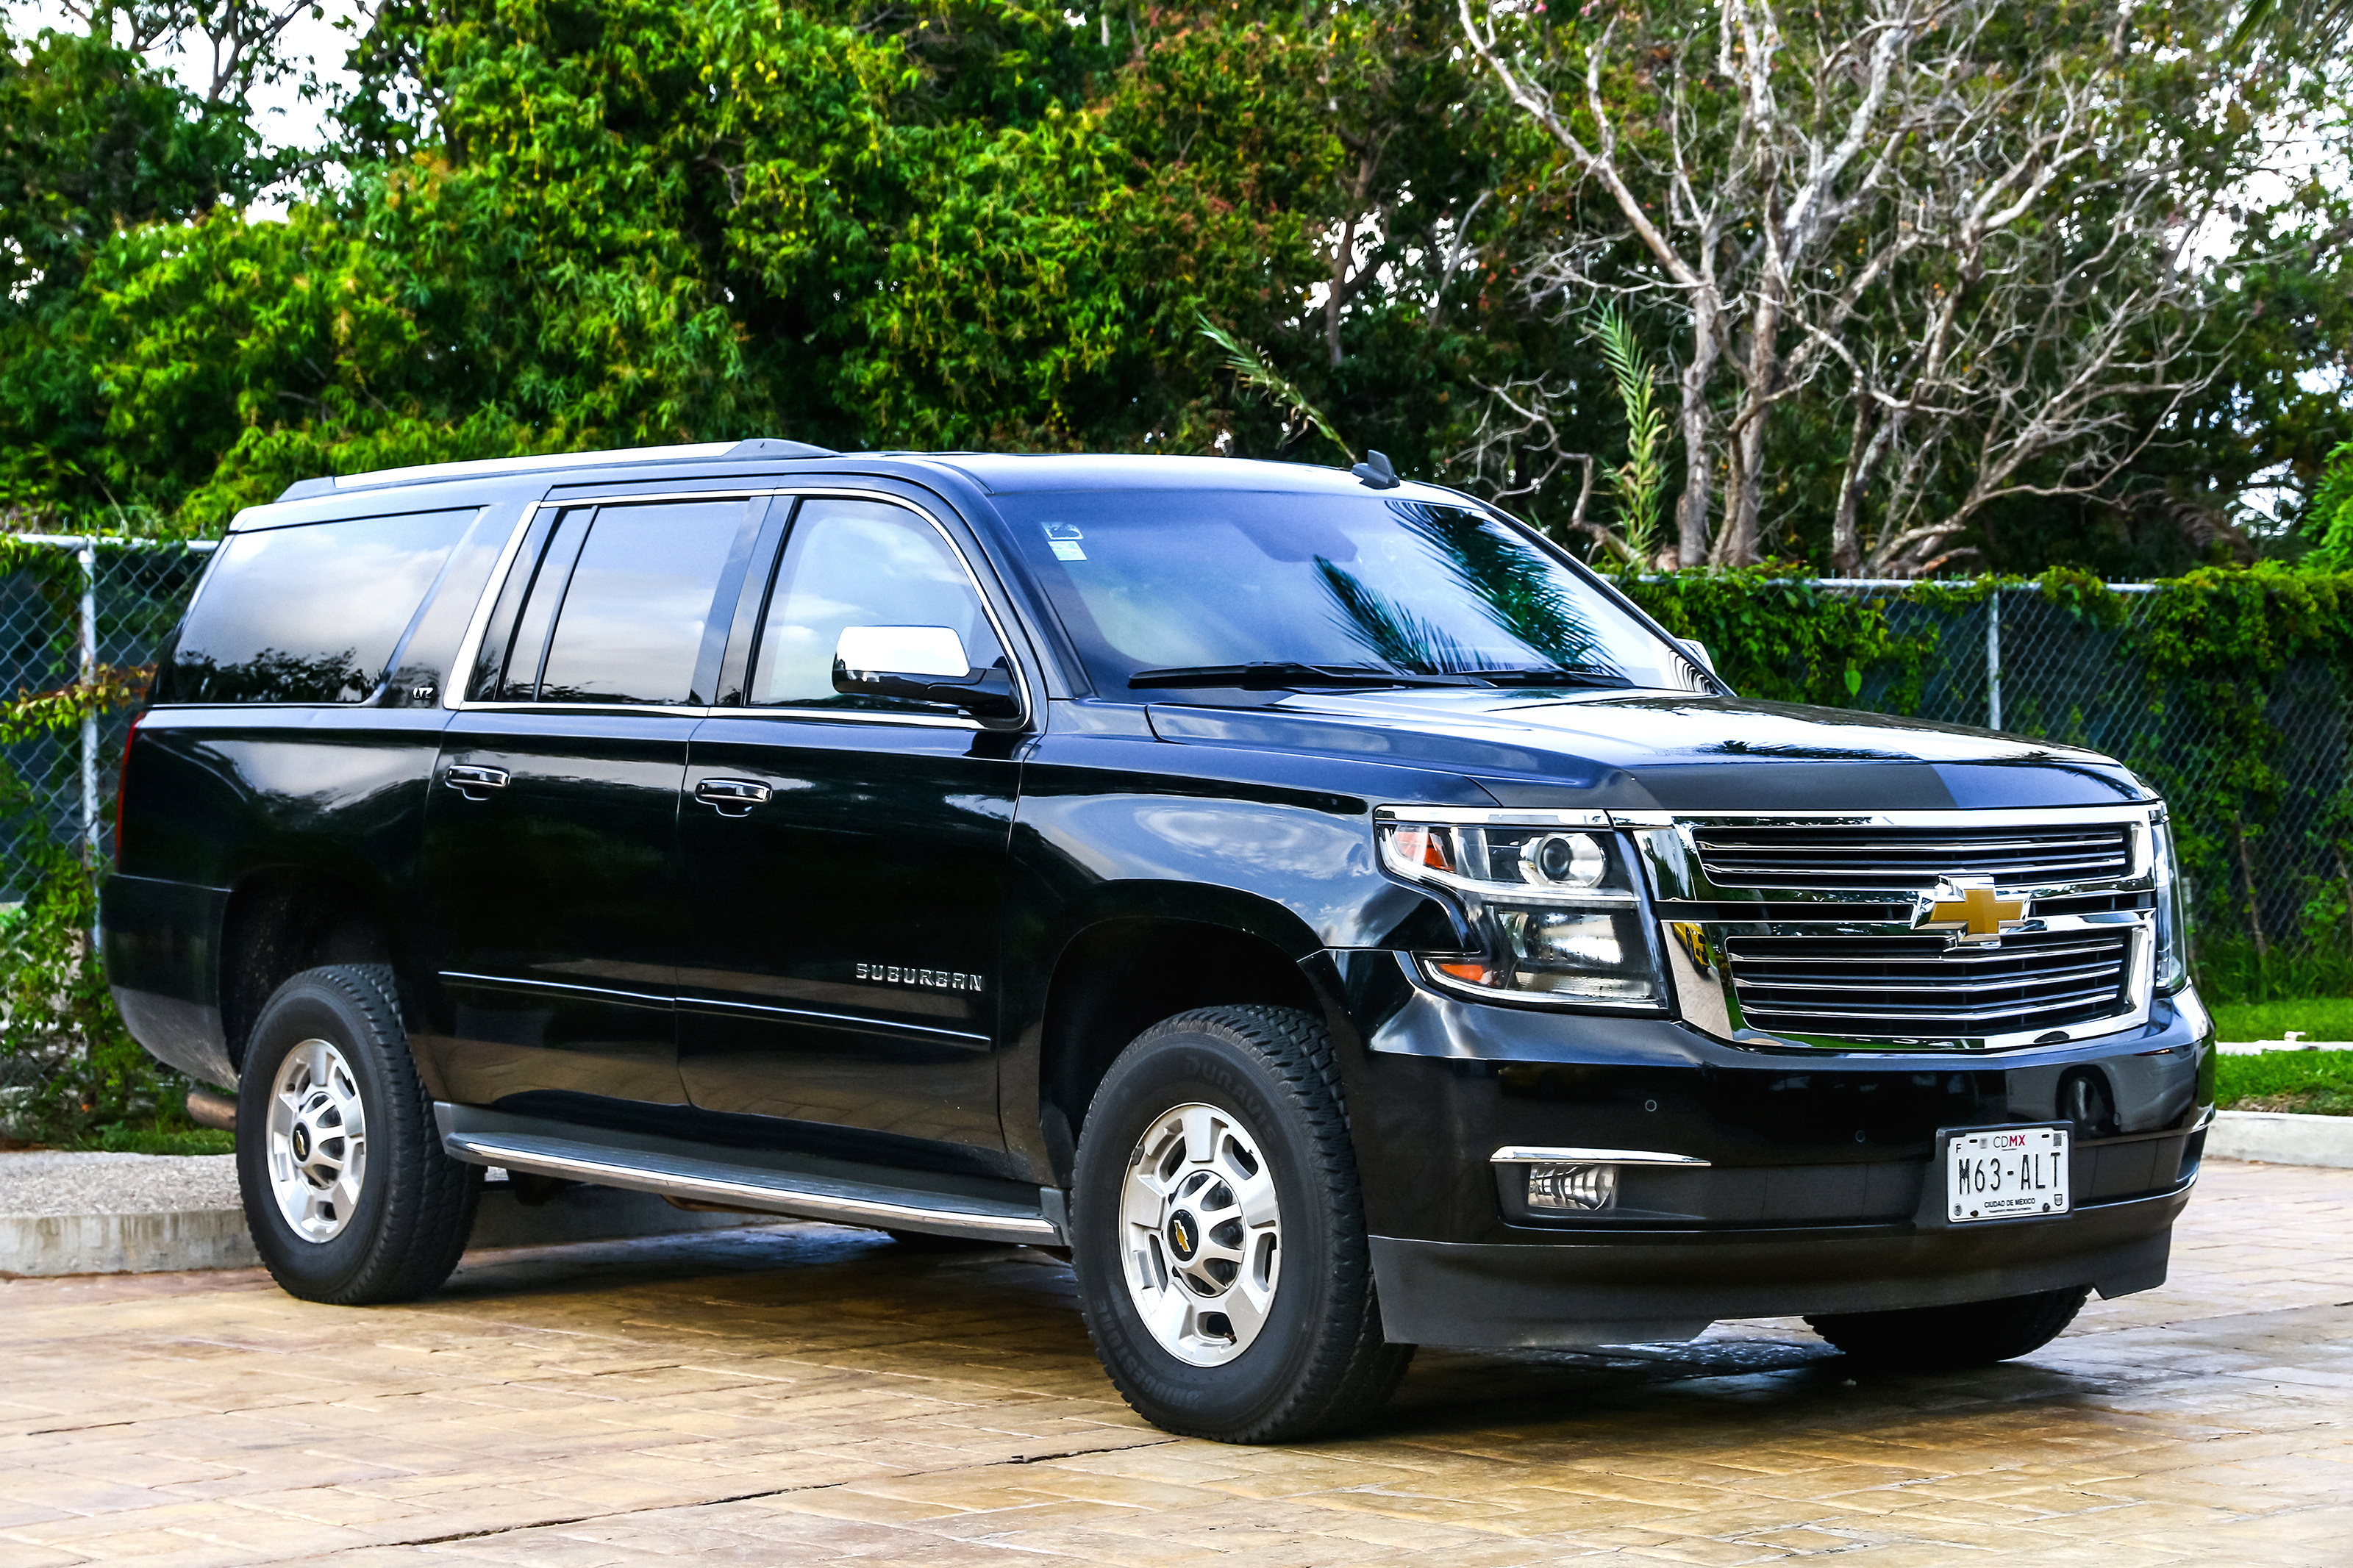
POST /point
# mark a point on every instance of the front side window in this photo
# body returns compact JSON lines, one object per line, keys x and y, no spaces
{"x":619,"y":610}
{"x":860,"y":563}
{"x":312,"y":613}
{"x":1160,"y":589}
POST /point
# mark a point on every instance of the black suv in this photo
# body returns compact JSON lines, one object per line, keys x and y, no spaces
{"x":1317,"y":902}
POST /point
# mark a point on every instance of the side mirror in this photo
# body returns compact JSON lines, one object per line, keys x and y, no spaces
{"x":921,"y":664}
{"x":1699,"y":654}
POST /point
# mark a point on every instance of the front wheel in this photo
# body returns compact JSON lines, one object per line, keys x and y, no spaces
{"x":347,"y":1194}
{"x":1949,"y":1338}
{"x":1218,"y":1234}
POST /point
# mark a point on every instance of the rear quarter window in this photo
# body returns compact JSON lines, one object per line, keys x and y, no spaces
{"x":310,"y":614}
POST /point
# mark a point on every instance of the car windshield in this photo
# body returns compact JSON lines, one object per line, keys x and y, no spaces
{"x":1165,"y":589}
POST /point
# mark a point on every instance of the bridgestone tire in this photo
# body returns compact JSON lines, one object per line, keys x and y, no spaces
{"x":1319,"y":1362}
{"x":1949,"y":1339}
{"x":416,"y":1205}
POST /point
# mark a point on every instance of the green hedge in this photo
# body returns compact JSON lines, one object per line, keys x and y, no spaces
{"x":2227,"y":688}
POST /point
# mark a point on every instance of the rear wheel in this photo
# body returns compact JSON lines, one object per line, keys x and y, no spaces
{"x":347,"y":1194}
{"x":1947,"y":1339}
{"x":1218,"y":1236}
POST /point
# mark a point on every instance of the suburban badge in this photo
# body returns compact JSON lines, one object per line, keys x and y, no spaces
{"x":910,"y":974}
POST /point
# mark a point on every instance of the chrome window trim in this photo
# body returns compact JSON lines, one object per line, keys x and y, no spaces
{"x":461,"y":668}
{"x":857,"y":716}
{"x":469,"y":648}
{"x":665,"y":709}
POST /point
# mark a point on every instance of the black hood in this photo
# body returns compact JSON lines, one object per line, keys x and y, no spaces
{"x":1674,"y":752}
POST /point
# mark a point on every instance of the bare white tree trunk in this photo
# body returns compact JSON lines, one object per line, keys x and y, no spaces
{"x":1882,"y":205}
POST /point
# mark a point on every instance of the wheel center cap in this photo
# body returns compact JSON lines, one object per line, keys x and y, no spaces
{"x":301,"y":1142}
{"x":1184,"y":1235}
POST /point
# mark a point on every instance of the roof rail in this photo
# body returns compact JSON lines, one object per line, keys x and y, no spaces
{"x":760,"y":447}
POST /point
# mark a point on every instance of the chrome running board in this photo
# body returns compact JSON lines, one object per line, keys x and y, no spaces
{"x":781,"y":1185}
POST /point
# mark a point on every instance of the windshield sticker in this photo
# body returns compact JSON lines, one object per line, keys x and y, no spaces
{"x":1063,"y":538}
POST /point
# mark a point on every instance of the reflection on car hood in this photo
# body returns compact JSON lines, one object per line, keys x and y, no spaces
{"x":1634,"y":750}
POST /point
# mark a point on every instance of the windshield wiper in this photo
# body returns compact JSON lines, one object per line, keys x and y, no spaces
{"x":1555,"y":675}
{"x":1277,"y":675}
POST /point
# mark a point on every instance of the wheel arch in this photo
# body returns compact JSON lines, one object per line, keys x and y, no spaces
{"x":1126,"y":969}
{"x":282,"y":920}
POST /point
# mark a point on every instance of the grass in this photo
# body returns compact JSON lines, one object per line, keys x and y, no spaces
{"x":2319,"y":1018}
{"x":154,"y":1140}
{"x":130,"y":1140}
{"x":2316,"y":1083}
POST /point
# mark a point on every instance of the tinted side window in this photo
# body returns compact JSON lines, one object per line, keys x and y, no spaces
{"x":309,"y":614}
{"x":860,"y":563}
{"x":636,"y":607}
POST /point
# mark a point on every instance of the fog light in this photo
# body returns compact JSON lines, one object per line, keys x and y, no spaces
{"x":1580,"y":1189}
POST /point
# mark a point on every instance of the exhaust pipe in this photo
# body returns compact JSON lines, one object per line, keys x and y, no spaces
{"x":218,"y":1112}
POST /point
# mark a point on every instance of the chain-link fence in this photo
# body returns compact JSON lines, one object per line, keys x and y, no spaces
{"x":83,"y":605}
{"x":2258,"y":836}
{"x":2262,"y":861}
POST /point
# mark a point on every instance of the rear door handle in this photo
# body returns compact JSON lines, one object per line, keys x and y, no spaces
{"x":473,"y":782}
{"x":731,"y":797}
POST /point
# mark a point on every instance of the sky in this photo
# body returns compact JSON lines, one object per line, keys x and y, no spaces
{"x":284,"y":117}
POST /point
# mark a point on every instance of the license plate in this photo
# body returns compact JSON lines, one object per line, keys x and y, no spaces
{"x":2005,"y":1172}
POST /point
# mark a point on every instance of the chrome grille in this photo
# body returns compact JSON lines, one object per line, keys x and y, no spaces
{"x":1830,"y":856}
{"x":1916,"y":987}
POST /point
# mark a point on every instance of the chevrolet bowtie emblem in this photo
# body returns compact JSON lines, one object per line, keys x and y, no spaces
{"x":1970,"y":909}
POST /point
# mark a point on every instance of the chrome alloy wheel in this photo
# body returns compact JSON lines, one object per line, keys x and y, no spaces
{"x":1200,"y":1232}
{"x":317,"y":1141}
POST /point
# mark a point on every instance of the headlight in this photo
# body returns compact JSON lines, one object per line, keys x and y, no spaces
{"x":2172,"y":965}
{"x":1556,"y":903}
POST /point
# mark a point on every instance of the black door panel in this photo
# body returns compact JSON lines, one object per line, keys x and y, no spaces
{"x":551,"y":833}
{"x":844,"y":955}
{"x":557,"y":901}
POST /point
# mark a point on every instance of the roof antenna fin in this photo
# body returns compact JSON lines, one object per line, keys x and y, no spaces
{"x":1375,"y":471}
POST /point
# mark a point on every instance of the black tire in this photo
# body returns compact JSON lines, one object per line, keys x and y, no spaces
{"x":1319,"y":1362}
{"x":415,"y":1205}
{"x":1949,"y":1339}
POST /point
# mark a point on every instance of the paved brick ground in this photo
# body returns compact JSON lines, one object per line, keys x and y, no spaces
{"x":804,"y":1394}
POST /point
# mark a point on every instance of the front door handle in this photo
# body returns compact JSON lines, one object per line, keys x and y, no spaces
{"x":731,"y":797}
{"x":474,"y":783}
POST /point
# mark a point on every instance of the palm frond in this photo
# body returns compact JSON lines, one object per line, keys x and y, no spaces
{"x":1387,"y":630}
{"x":1250,"y":366}
{"x":1638,"y":483}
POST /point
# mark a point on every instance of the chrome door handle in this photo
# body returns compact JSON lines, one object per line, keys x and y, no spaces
{"x":731,"y":797}
{"x":471,"y":781}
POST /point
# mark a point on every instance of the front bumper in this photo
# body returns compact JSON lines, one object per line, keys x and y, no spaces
{"x":1815,"y":1196}
{"x":1632,"y":1289}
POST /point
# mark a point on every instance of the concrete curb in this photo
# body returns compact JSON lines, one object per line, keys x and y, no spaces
{"x":2282,"y":1138}
{"x":43,"y":1245}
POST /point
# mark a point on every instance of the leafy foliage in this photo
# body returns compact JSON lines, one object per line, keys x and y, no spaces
{"x":69,"y":1067}
{"x":2331,"y":523}
{"x":957,"y":223}
{"x":1777,"y":635}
